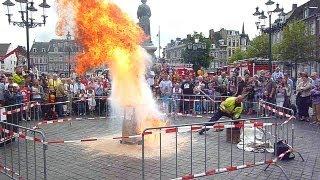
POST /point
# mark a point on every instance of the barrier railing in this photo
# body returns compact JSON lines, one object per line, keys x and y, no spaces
{"x":287,"y":131}
{"x":209,"y":154}
{"x":23,"y":152}
{"x":198,"y":105}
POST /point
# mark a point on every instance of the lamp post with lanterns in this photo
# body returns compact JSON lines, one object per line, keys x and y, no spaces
{"x":27,"y":10}
{"x":261,"y":15}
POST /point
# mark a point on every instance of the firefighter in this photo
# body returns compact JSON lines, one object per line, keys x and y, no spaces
{"x":232,"y":107}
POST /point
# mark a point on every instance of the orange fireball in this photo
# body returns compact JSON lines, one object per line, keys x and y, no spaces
{"x":110,"y":38}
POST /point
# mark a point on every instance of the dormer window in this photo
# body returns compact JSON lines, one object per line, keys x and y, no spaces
{"x":34,"y":50}
{"x":43,"y":50}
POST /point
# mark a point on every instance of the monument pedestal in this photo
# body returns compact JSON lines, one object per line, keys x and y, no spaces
{"x":151,"y":49}
{"x":130,"y":127}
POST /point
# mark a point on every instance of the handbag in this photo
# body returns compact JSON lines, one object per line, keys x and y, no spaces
{"x":282,"y":147}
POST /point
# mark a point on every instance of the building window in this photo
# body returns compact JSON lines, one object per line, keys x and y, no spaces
{"x":43,"y":50}
{"x":306,"y":13}
{"x":34,"y":50}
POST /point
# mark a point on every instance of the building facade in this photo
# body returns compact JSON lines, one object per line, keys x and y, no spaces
{"x":11,"y":57}
{"x":39,"y":56}
{"x":225,"y":43}
{"x":173,"y":52}
{"x":55,"y":56}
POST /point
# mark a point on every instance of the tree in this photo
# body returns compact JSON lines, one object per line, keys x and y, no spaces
{"x":259,"y":47}
{"x":297,"y":44}
{"x":238,"y":55}
{"x":199,"y":56}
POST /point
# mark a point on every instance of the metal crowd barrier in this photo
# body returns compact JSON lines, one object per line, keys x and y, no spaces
{"x":197,"y":105}
{"x":22,"y":152}
{"x":286,"y":130}
{"x":193,"y":156}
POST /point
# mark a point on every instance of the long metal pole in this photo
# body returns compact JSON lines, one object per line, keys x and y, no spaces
{"x":159,"y":36}
{"x":27,"y":34}
{"x":270,"y":44}
{"x":69,"y":61}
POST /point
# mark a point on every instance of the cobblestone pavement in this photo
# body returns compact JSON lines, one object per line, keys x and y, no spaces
{"x":108,"y":159}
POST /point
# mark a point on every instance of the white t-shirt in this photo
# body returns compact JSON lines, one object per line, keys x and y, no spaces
{"x":150,"y":81}
{"x":165,"y":85}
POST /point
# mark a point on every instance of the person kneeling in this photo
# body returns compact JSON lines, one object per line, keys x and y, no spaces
{"x":232,"y":107}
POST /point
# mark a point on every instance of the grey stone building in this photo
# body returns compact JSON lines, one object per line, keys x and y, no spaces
{"x":173,"y":52}
{"x":54,"y":56}
{"x":224,"y":44}
{"x":39,"y":56}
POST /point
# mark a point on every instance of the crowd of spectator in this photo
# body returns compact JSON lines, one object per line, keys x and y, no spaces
{"x":51,"y":91}
{"x":277,"y":88}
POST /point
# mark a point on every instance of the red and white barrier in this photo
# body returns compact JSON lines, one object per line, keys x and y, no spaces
{"x":283,"y":114}
{"x":20,"y":135}
{"x":20,"y":109}
{"x":52,"y":122}
{"x":233,"y":168}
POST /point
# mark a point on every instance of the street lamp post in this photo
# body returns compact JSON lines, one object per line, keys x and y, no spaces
{"x":69,"y":52}
{"x":270,"y":30}
{"x":196,"y":48}
{"x":26,"y":11}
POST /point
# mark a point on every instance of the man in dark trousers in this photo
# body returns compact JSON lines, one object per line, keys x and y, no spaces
{"x":232,"y":107}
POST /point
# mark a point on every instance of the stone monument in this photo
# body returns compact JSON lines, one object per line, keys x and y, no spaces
{"x":144,"y":14}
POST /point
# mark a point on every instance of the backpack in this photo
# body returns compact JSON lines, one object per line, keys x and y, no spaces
{"x":281,"y":148}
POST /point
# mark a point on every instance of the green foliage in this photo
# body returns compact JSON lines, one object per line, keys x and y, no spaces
{"x":297,"y":44}
{"x":238,"y":55}
{"x":200,"y":57}
{"x":258,"y":47}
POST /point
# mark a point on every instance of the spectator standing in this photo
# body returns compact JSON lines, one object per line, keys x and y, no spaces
{"x":18,"y":76}
{"x":315,"y":94}
{"x":187,"y":91}
{"x":60,"y":97}
{"x":304,"y":88}
{"x":277,"y":75}
{"x":176,"y":96}
{"x":2,"y":89}
{"x":270,"y":89}
{"x":78,"y":86}
{"x":288,"y":90}
{"x":223,"y":84}
{"x":37,"y":92}
{"x":166,"y":91}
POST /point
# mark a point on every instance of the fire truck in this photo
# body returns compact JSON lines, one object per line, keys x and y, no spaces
{"x":184,"y":70}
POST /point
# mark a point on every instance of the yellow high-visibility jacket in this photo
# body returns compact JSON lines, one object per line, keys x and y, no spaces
{"x":229,"y":106}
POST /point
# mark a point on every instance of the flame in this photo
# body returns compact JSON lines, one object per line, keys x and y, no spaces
{"x":110,"y":38}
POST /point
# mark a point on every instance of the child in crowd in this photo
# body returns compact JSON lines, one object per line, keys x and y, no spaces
{"x":176,"y":96}
{"x":82,"y":103}
{"x":91,"y":101}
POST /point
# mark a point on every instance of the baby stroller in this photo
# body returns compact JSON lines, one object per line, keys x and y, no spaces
{"x":50,"y":112}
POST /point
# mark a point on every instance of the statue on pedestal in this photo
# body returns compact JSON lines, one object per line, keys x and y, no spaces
{"x":144,"y":14}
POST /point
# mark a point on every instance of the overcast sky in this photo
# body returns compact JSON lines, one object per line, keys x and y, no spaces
{"x":176,"y":18}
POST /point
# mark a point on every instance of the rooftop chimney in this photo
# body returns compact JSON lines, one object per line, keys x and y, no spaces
{"x":294,"y":6}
